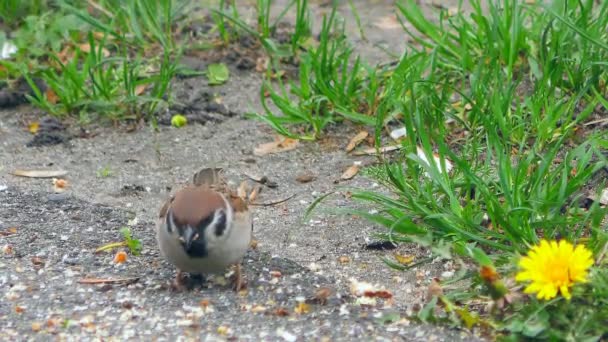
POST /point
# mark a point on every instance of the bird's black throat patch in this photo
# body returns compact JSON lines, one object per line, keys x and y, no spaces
{"x":198,"y":248}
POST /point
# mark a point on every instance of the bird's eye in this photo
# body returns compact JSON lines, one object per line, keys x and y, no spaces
{"x":204,"y":223}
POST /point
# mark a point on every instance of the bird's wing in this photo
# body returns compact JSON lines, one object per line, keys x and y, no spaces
{"x":165,"y":207}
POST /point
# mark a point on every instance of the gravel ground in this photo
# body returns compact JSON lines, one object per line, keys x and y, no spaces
{"x":51,"y":251}
{"x":119,"y":178}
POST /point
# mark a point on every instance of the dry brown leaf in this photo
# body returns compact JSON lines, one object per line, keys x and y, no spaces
{"x":204,"y":303}
{"x":33,"y":127}
{"x":388,"y":22}
{"x":356,"y":140}
{"x":434,"y":289}
{"x":9,"y":231}
{"x":19,"y":309}
{"x":363,"y":289}
{"x":302,"y":308}
{"x":253,"y":244}
{"x":258,"y":309}
{"x":305,"y":178}
{"x":261,"y":64}
{"x":140,"y":89}
{"x":372,"y":150}
{"x":51,"y":96}
{"x":241,"y":192}
{"x":36,"y":326}
{"x":280,"y":144}
{"x":7,"y":249}
{"x":350,"y":172}
{"x":322,"y":294}
{"x":254,"y":193}
{"x":86,"y":48}
{"x":404,"y":259}
{"x":40,"y":173}
{"x":281,"y":312}
{"x":37,"y":261}
{"x":344,"y":259}
{"x":276,"y":274}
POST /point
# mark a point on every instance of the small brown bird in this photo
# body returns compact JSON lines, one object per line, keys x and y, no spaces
{"x":204,"y":228}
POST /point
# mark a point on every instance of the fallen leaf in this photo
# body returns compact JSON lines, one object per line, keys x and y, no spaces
{"x":281,"y":144}
{"x":364,"y":289}
{"x":7,"y":249}
{"x":217,"y":73}
{"x":140,"y":89}
{"x":372,"y":150}
{"x":51,"y":96}
{"x":281,"y":312}
{"x":37,"y":261}
{"x":305,"y":178}
{"x":254,"y":194}
{"x":321,"y":295}
{"x":241,"y":192}
{"x":19,"y":309}
{"x":204,"y":303}
{"x":356,"y":140}
{"x":33,"y":127}
{"x":120,"y":257}
{"x":276,"y":274}
{"x":86,"y":48}
{"x":344,"y":259}
{"x":9,"y":231}
{"x":350,"y":172}
{"x":434,"y":289}
{"x":261,"y":64}
{"x":36,"y":326}
{"x":94,"y":281}
{"x":258,"y":309}
{"x":404,"y":259}
{"x":302,"y":308}
{"x":253,"y":244}
{"x":40,"y":173}
{"x":223,"y":330}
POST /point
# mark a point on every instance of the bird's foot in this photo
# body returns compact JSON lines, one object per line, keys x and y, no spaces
{"x":238,"y":283}
{"x":180,"y":283}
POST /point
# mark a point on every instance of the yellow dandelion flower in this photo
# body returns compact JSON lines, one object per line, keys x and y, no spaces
{"x":554,"y":266}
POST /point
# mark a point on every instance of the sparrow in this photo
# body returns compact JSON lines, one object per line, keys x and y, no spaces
{"x":204,"y":228}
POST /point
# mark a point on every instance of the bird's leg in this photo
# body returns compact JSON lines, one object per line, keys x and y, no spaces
{"x":179,"y":284}
{"x":238,"y":283}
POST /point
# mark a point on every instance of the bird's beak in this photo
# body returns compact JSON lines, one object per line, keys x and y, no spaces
{"x":189,"y":236}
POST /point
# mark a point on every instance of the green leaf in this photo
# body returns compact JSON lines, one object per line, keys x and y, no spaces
{"x":133,"y":244}
{"x":217,"y":73}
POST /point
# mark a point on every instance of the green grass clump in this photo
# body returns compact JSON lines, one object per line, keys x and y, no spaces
{"x":501,"y":98}
{"x":96,"y":63}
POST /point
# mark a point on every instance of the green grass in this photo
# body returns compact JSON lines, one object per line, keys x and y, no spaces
{"x":502,"y":96}
{"x":96,"y":63}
